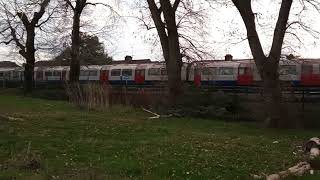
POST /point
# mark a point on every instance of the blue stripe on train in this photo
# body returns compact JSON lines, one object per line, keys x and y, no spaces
{"x":295,"y":83}
{"x":132,"y":82}
{"x":219,"y":83}
{"x":287,"y":83}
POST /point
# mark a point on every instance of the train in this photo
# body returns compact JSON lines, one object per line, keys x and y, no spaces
{"x":227,"y":72}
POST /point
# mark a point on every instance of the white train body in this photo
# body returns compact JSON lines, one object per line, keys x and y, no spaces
{"x":304,"y":72}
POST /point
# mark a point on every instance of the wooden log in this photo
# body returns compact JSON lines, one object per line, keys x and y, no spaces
{"x":297,"y":170}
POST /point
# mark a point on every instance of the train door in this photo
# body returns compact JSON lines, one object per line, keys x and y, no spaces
{"x":39,"y":75}
{"x":316,"y":75}
{"x":139,"y":77}
{"x":64,"y":76}
{"x":245,"y":75}
{"x":104,"y":76}
{"x":306,"y":74}
{"x":197,"y":76}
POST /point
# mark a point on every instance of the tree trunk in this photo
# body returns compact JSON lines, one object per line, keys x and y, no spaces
{"x":168,"y":33}
{"x":272,"y":97}
{"x":30,"y":59}
{"x":276,"y":112}
{"x":268,"y":66}
{"x":75,"y":49}
{"x":174,"y":64}
{"x":174,"y":59}
{"x":28,"y":77}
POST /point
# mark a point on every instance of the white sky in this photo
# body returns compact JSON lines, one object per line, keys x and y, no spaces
{"x":225,"y":28}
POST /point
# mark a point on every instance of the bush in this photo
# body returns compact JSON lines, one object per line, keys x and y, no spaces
{"x":92,"y":96}
{"x":208,"y":104}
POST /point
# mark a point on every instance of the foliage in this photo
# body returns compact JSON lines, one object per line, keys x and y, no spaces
{"x":122,"y":143}
{"x":92,"y":51}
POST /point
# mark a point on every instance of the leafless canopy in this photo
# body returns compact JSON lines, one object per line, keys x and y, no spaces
{"x":18,"y":15}
{"x":191,"y":20}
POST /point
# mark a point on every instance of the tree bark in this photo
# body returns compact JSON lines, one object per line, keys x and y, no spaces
{"x":30,"y":59}
{"x":272,"y":96}
{"x":28,"y":50}
{"x":169,"y":38}
{"x":75,"y":49}
{"x":276,"y":112}
{"x":174,"y":62}
{"x":174,"y":73}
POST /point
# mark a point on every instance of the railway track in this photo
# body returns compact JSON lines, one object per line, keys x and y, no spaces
{"x":296,"y":90}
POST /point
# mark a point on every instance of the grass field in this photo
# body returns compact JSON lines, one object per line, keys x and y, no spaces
{"x":52,"y":140}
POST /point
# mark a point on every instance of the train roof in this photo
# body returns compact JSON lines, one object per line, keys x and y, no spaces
{"x":8,"y":64}
{"x":136,"y":61}
{"x":52,"y":68}
{"x":216,"y":63}
{"x":120,"y":66}
{"x":53,"y":63}
{"x":9,"y":68}
{"x":310,"y":60}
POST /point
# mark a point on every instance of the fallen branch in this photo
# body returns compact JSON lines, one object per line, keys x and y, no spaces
{"x":156,"y":116}
{"x":311,"y":147}
{"x":297,"y":170}
{"x":11,"y":118}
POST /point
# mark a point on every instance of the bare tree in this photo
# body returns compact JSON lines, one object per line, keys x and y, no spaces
{"x":18,"y":25}
{"x":77,"y":7}
{"x":268,"y":65}
{"x":169,"y":38}
{"x":179,"y":24}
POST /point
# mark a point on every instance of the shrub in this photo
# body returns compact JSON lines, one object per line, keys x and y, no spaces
{"x":92,"y":96}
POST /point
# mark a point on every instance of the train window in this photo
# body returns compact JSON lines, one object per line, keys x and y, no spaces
{"x":39,"y":74}
{"x":163,"y":72}
{"x":84,"y":73}
{"x":288,"y":70}
{"x":93,"y":73}
{"x":154,"y":72}
{"x":1,"y":74}
{"x":15,"y":74}
{"x":126,"y":72}
{"x":7,"y":74}
{"x":226,"y":71}
{"x":244,"y":71}
{"x":115,"y":72}
{"x":48,"y":73}
{"x":307,"y":69}
{"x":207,"y":71}
{"x":56,"y":73}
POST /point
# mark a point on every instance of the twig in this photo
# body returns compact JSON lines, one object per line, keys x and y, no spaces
{"x":156,"y":116}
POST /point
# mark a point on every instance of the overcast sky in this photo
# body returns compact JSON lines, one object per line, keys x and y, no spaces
{"x":225,"y":31}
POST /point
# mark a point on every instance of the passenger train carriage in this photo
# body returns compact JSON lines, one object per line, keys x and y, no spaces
{"x":147,"y":74}
{"x":224,"y":73}
{"x":305,"y":72}
{"x":11,"y":74}
{"x":310,"y":73}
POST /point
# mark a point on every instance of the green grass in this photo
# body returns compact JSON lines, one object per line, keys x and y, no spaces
{"x":124,"y":144}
